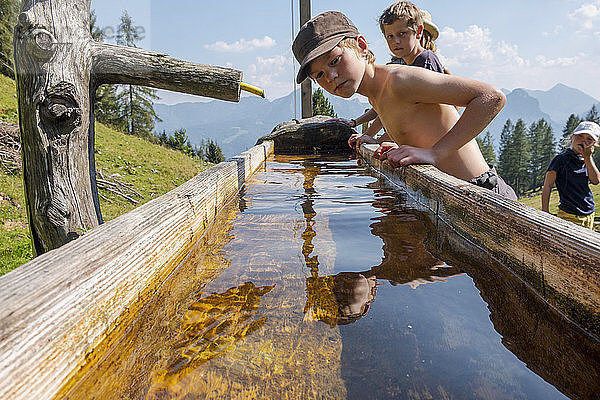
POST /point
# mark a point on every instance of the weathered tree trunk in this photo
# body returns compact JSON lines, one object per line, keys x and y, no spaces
{"x":58,"y":68}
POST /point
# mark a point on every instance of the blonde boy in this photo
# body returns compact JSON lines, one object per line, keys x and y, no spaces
{"x":414,"y":104}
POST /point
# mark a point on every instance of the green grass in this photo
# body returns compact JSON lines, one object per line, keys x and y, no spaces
{"x":8,"y":100}
{"x":15,"y":245}
{"x":152,"y":169}
{"x":535,"y":201}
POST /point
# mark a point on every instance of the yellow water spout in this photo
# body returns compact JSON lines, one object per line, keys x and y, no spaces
{"x":252,"y":89}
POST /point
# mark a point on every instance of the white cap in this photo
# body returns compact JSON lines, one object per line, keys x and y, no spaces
{"x":589,"y":127}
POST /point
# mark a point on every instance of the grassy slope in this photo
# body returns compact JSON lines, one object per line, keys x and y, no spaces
{"x":152,"y":169}
{"x":536,"y":202}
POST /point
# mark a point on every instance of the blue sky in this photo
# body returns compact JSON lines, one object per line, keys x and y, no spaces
{"x":531,"y":44}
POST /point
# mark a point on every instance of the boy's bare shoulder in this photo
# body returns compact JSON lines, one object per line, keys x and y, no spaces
{"x":402,"y":77}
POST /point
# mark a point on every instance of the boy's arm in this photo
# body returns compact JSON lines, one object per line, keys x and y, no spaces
{"x":481,"y":101}
{"x":353,"y":123}
{"x":593,"y":173}
{"x":548,"y":183}
{"x":368,"y":137}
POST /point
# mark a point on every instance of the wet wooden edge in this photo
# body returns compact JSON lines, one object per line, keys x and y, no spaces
{"x":558,"y":259}
{"x":60,"y":310}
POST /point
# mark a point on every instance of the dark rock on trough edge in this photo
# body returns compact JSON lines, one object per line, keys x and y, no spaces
{"x":310,"y":136}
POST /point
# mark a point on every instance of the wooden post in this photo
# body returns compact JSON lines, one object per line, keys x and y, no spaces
{"x":58,"y":69}
{"x":306,"y":87}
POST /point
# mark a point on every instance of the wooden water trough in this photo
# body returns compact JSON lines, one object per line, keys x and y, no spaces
{"x":559,"y":260}
{"x":63,"y":311}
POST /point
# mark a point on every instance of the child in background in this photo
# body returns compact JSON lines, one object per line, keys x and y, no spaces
{"x":572,"y":171}
{"x":410,"y":34}
{"x":415,"y":105}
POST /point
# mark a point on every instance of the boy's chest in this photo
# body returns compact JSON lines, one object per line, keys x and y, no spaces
{"x":415,"y":124}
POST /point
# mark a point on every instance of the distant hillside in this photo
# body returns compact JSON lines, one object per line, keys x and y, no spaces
{"x":562,"y":101}
{"x":519,"y":104}
{"x":236,"y":126}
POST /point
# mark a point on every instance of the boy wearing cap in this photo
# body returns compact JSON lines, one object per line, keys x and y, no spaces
{"x":572,"y":171}
{"x":414,"y":104}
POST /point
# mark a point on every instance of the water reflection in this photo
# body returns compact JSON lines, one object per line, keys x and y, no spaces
{"x":347,"y":296}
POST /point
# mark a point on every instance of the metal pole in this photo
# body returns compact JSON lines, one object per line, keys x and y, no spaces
{"x":306,"y":87}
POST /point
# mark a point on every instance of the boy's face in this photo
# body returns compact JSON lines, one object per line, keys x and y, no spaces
{"x":402,"y":40}
{"x":339,"y":71}
{"x":582,"y":141}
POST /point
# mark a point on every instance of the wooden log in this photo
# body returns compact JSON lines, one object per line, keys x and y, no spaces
{"x":58,"y":68}
{"x":65,"y":308}
{"x":558,"y":259}
{"x":129,"y":65}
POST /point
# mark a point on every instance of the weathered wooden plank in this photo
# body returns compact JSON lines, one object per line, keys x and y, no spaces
{"x":62,"y":309}
{"x":560,"y":260}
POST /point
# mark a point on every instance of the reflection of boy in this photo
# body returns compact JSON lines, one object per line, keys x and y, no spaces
{"x":339,"y":299}
{"x":414,"y":105}
{"x":354,"y":293}
{"x":572,"y":171}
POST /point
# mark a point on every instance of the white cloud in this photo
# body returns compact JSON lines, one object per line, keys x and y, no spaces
{"x":273,"y":74}
{"x":554,"y":31}
{"x":275,"y":61}
{"x":475,"y":54}
{"x":473,"y":44}
{"x":585,"y":15}
{"x":475,"y":49}
{"x":556,"y":62}
{"x":510,"y":53}
{"x":242,"y":45}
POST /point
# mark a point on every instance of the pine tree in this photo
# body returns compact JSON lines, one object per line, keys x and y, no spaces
{"x":9,"y":10}
{"x":135,"y":102}
{"x":541,"y":142}
{"x":320,"y":104}
{"x":106,"y":107}
{"x":570,"y":126}
{"x":97,"y":33}
{"x":519,"y":146}
{"x":514,"y":156}
{"x":593,"y":115}
{"x":213,"y":153}
{"x":503,"y":157}
{"x":487,"y":148}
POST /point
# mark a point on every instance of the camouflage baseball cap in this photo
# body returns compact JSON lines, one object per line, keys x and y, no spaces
{"x":318,"y":36}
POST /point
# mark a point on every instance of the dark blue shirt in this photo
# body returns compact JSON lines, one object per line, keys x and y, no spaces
{"x":572,"y":183}
{"x":427,"y":59}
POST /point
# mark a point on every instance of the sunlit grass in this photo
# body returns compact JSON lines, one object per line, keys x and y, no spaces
{"x":152,"y":170}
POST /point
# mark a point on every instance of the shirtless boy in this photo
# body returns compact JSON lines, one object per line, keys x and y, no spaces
{"x":415,"y":105}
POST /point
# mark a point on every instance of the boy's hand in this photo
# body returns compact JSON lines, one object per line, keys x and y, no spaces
{"x":359,"y":138}
{"x":587,"y":151}
{"x":383,"y":148}
{"x":406,"y":155}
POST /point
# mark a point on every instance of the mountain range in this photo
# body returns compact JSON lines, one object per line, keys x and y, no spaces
{"x":236,"y":126}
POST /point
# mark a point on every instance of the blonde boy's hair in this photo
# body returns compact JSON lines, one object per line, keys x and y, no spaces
{"x":352,"y":43}
{"x":403,"y":11}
